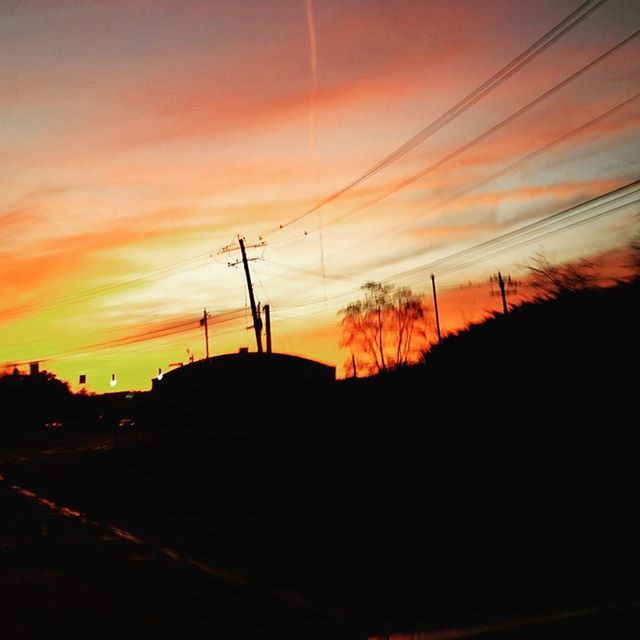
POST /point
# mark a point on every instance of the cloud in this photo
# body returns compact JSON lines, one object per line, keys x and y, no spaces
{"x":142,"y":133}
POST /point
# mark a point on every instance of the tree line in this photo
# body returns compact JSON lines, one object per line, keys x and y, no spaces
{"x":389,"y":327}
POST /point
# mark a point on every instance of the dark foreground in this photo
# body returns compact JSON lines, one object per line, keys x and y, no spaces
{"x":65,"y":573}
{"x":492,"y":491}
{"x":193,"y":534}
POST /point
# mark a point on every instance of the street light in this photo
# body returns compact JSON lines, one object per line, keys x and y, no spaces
{"x":113,"y":382}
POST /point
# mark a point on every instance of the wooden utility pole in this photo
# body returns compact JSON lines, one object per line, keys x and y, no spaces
{"x":267,"y":321}
{"x":257,"y":322}
{"x":435,"y":306}
{"x":503,"y":293}
{"x":204,"y":321}
{"x":506,"y":285}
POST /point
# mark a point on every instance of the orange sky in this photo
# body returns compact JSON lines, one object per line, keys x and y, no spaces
{"x":140,"y":137}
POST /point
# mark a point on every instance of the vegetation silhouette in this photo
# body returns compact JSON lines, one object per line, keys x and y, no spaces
{"x":382,"y":327}
{"x":495,"y":478}
{"x":502,"y":466}
{"x":28,"y":401}
{"x":552,"y":280}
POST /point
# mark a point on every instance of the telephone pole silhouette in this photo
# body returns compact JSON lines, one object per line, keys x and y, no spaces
{"x":267,"y":321}
{"x":257,"y":322}
{"x":503,"y":293}
{"x":435,"y":306}
{"x":505,"y":285}
{"x":204,"y":322}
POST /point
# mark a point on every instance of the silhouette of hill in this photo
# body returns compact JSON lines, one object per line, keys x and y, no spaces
{"x":578,"y":338}
{"x":496,"y":479}
{"x":502,"y":467}
{"x":572,"y":351}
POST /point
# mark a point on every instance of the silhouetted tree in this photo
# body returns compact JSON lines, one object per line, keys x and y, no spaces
{"x":551,"y":280}
{"x":30,"y":399}
{"x":382,"y":326}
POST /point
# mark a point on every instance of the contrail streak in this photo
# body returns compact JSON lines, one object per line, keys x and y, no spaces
{"x":313,"y":66}
{"x":313,"y":88}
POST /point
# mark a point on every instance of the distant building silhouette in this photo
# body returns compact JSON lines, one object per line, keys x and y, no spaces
{"x":231,"y":391}
{"x":243,"y":371}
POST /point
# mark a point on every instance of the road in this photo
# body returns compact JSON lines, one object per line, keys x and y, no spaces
{"x":207,"y":549}
{"x":63,"y":572}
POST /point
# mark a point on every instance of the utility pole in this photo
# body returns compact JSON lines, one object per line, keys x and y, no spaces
{"x":435,"y":306}
{"x":505,"y":308}
{"x":353,"y":366}
{"x":267,"y":321}
{"x":204,"y":322}
{"x":505,"y":285}
{"x":257,"y":322}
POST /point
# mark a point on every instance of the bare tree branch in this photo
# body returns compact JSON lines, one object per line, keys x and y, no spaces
{"x":381,"y":327}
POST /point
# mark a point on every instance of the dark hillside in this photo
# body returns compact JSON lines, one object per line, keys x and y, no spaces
{"x":496,"y":480}
{"x":504,"y":467}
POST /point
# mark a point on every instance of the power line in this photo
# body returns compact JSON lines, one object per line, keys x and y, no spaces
{"x":546,"y":234}
{"x":304,"y":272}
{"x":125,"y":341}
{"x":534,"y":154}
{"x":524,"y":58}
{"x":81,"y":296}
{"x":141,"y":325}
{"x":501,"y":172}
{"x":527,"y":56}
{"x":559,"y":222}
{"x":492,"y":130}
{"x":510,"y":241}
{"x":153,"y":334}
{"x":618,"y":194}
{"x":630,"y":189}
{"x":135,"y":280}
{"x":483,"y":136}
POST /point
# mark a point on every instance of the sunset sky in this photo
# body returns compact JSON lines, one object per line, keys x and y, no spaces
{"x":139,"y":137}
